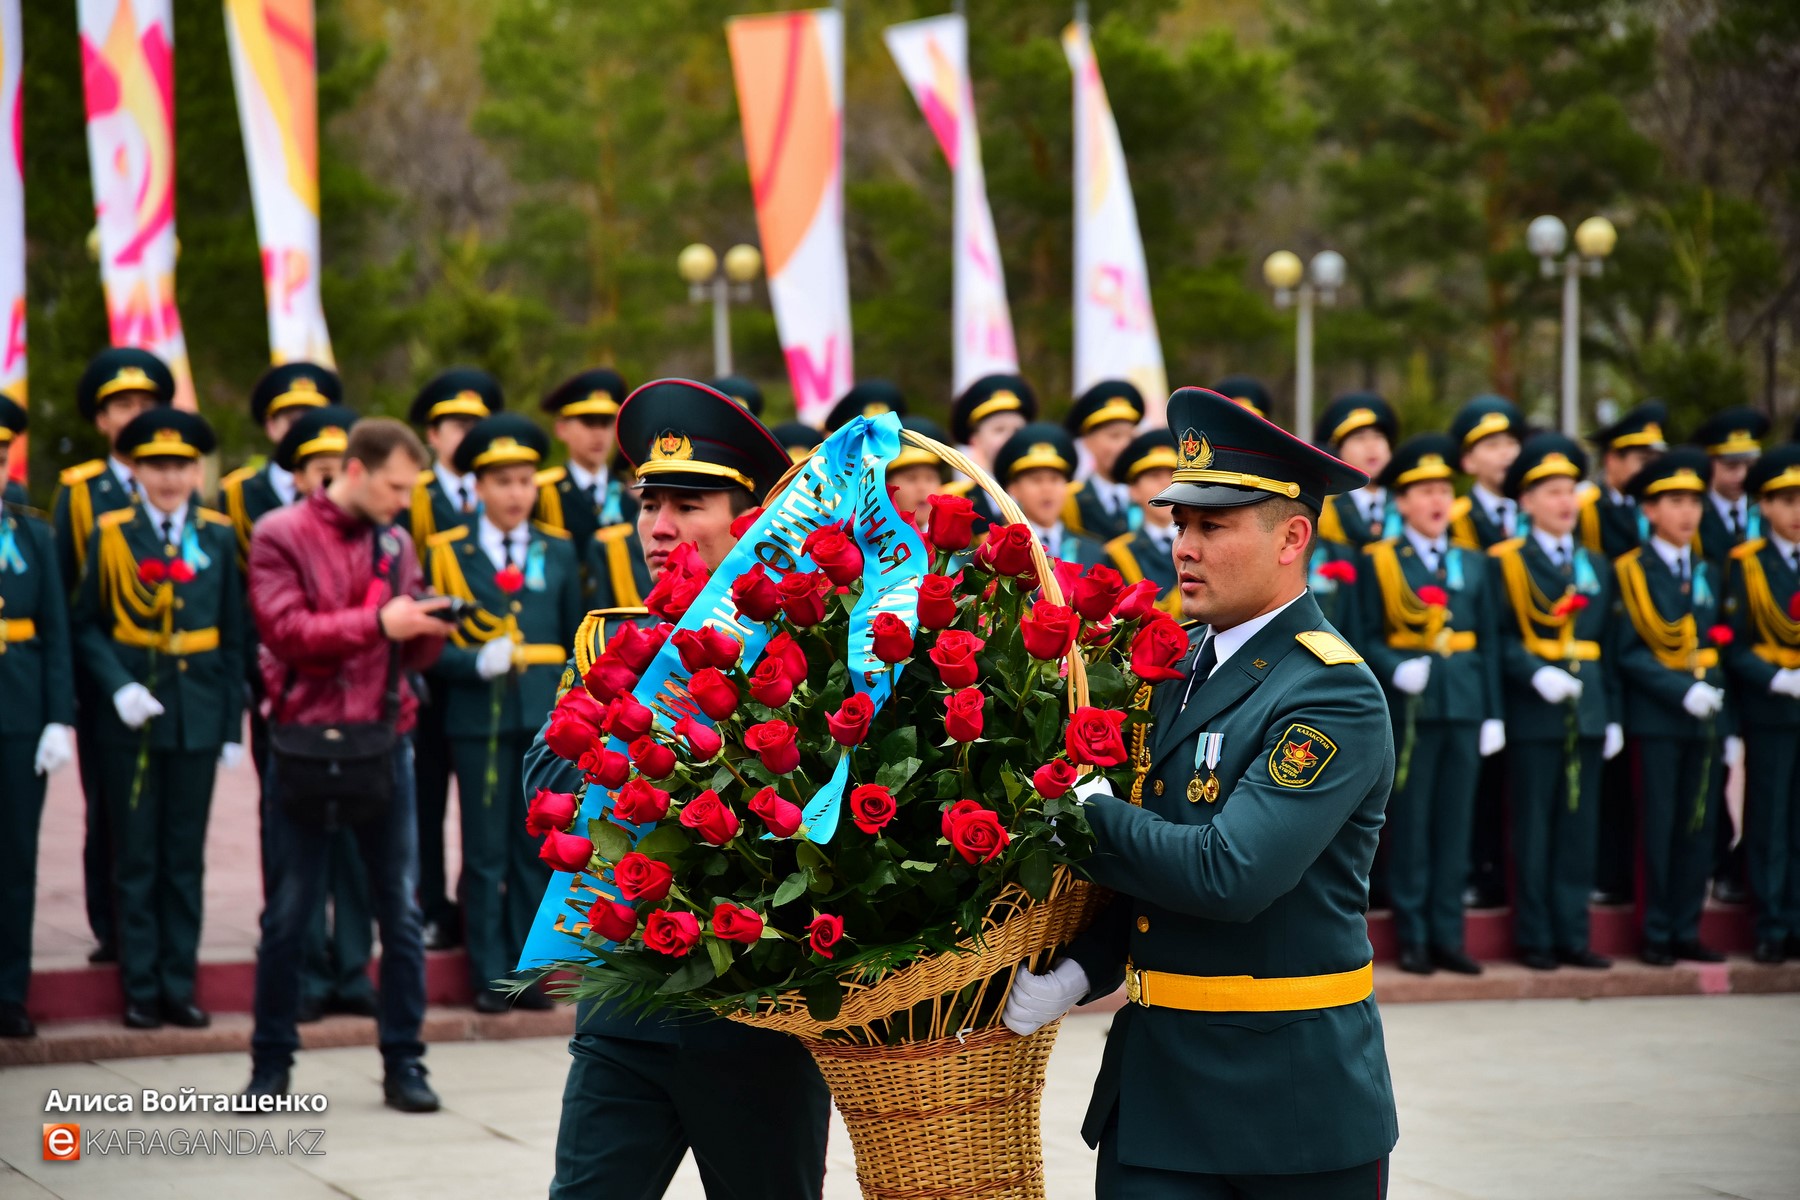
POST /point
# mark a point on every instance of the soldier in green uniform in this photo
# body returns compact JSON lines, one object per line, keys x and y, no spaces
{"x":1763,"y":663}
{"x":117,"y":385}
{"x":1487,"y":432}
{"x":1432,"y":637}
{"x":159,"y":628}
{"x":748,"y":396}
{"x":12,"y":424}
{"x":988,"y":412}
{"x":915,"y":475}
{"x":1104,"y":419}
{"x":585,"y":495}
{"x":1145,"y":467}
{"x":1247,"y":392}
{"x":1036,"y":466}
{"x":868,"y":398}
{"x":641,"y":1091}
{"x":283,"y":393}
{"x":1240,"y":863}
{"x":1675,"y":710}
{"x":1361,"y":429}
{"x":36,"y":737}
{"x":523,"y":583}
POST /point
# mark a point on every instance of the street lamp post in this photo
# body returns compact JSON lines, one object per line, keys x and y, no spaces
{"x":1301,"y":286}
{"x":699,"y":266}
{"x":1547,"y":237}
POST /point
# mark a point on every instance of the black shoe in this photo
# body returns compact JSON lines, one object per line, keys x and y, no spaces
{"x":405,"y":1088}
{"x":491,"y":1002}
{"x":1609,"y":899}
{"x":441,"y":933}
{"x":534,"y":999}
{"x":1455,"y":961}
{"x":1415,"y":960}
{"x":1770,"y":952}
{"x":1692,"y":951}
{"x":361,"y":1005}
{"x":1730,"y":891}
{"x":1586,"y":959}
{"x":142,"y":1016}
{"x":185,"y":1014}
{"x":15,"y":1022}
{"x":105,"y":952}
{"x":1484,"y":897}
{"x":1537,"y":960}
{"x":310,"y":1009}
{"x":267,"y":1081}
{"x":1656,"y":955}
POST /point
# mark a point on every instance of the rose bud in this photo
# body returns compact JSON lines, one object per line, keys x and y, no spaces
{"x":834,"y":552}
{"x":785,"y":650}
{"x":703,"y":740}
{"x":1097,"y":592}
{"x":978,"y":835}
{"x":803,"y":597}
{"x":733,"y":924}
{"x":607,"y":768}
{"x":684,"y":576}
{"x":640,"y":803}
{"x":652,"y":759}
{"x":611,"y":921}
{"x":716,"y":695}
{"x":1721,"y":635}
{"x":636,"y":647}
{"x":1099,"y":633}
{"x":671,"y":933}
{"x":710,"y":817}
{"x":1136,"y":601}
{"x":769,"y":683}
{"x":628,"y":720}
{"x":741,"y":524}
{"x":952,"y":525}
{"x":574,"y":724}
{"x":774,"y":743}
{"x":640,"y":877}
{"x":1094,"y":737}
{"x":1054,"y":778}
{"x":962,"y":715}
{"x":955,"y":812}
{"x":566,"y":851}
{"x":1008,"y":550}
{"x":1158,"y":645}
{"x":152,"y":571}
{"x":708,"y":646}
{"x":824,"y":933}
{"x":849,"y":725}
{"x":954,"y":656}
{"x":781,"y":816}
{"x":871,"y":807}
{"x":937,"y":601}
{"x":1433,"y":596}
{"x":181,"y":571}
{"x":756,"y":595}
{"x":550,"y":810}
{"x":1049,"y":630}
{"x":893,"y":640}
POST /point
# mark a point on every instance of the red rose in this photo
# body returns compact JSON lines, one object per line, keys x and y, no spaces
{"x":710,"y":817}
{"x":1338,"y":571}
{"x":1721,"y":635}
{"x":708,"y":646}
{"x":652,"y":759}
{"x":1097,"y":592}
{"x":1136,"y":601}
{"x":684,"y":577}
{"x":755,"y":594}
{"x":774,"y":743}
{"x":893,"y":640}
{"x":952,"y":525}
{"x":641,"y":877}
{"x":1099,"y":633}
{"x":636,"y":647}
{"x":954,"y":655}
{"x":609,"y":678}
{"x":1094,"y":737}
{"x":611,"y":921}
{"x":871,"y":807}
{"x":607,"y":768}
{"x":574,"y":724}
{"x":803,"y":597}
{"x":1156,"y":648}
{"x":769,"y":683}
{"x":628,"y":720}
{"x":640,"y":802}
{"x":849,"y":725}
{"x":716,"y":695}
{"x":1049,"y":630}
{"x":937,"y":601}
{"x":671,"y":933}
{"x":152,"y":571}
{"x":509,"y":580}
{"x":962,"y":715}
{"x":549,"y":810}
{"x":1434,"y":596}
{"x":741,"y":524}
{"x":1570,"y":604}
{"x":703,"y":740}
{"x":180,"y":571}
{"x":977,"y":834}
{"x":566,"y":851}
{"x":834,"y":552}
{"x":781,"y":816}
{"x":784,"y":649}
{"x":1054,"y":778}
{"x":1794,"y":607}
{"x":733,"y":924}
{"x":1007,"y":550}
{"x":955,"y":812}
{"x":824,"y":933}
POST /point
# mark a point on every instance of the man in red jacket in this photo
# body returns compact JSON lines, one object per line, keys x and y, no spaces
{"x":334,"y":588}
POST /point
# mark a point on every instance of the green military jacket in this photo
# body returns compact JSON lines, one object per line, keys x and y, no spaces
{"x":245,"y":496}
{"x":182,"y":640}
{"x":1532,"y":632}
{"x":615,"y":570}
{"x":543,"y":614}
{"x":1271,"y":880}
{"x":1472,"y":528}
{"x":36,"y":660}
{"x":1085,"y":512}
{"x":1331,"y":577}
{"x":1607,"y":528}
{"x":432,"y":511}
{"x":1662,"y":637}
{"x":1717,"y":542}
{"x":1765,"y":635}
{"x":1464,"y":685}
{"x":15,"y":493}
{"x":88,"y":491}
{"x":1137,"y":557}
{"x":1341,"y":521}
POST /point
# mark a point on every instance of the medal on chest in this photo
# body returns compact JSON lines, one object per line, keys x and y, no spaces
{"x":1205,"y":783}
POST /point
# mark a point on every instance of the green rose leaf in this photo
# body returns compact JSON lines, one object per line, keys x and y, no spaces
{"x":613,"y":842}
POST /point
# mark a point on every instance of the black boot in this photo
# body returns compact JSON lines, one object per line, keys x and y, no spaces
{"x":404,"y":1088}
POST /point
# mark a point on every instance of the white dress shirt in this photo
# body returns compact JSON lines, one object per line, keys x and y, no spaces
{"x":1229,"y":641}
{"x":282,"y":480}
{"x":1499,"y":509}
{"x":1114,"y":497}
{"x":457,"y":487}
{"x":1733,"y":512}
{"x":495,"y":542}
{"x":1783,"y":547}
{"x":1560,"y":549}
{"x":592,"y":482}
{"x":1051,"y":538}
{"x":1430,"y":551}
{"x":1676,"y":558}
{"x":1162,"y":537}
{"x":177,"y":521}
{"x":1371,"y":503}
{"x":122,"y":472}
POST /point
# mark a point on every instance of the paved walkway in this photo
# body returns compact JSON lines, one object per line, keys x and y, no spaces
{"x":1651,"y":1099}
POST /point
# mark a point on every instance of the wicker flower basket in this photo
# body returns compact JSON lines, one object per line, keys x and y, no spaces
{"x":953,"y":1113}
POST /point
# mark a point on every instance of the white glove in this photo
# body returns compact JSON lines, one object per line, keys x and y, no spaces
{"x":136,"y":705}
{"x":494,"y":659}
{"x":1493,"y":737}
{"x":1703,"y":700}
{"x":55,"y":749}
{"x":1734,"y":751}
{"x":1786,"y":682}
{"x":1615,"y":742}
{"x":1412,"y":675}
{"x":231,"y":755}
{"x":1037,"y":1000}
{"x":1555,"y":685}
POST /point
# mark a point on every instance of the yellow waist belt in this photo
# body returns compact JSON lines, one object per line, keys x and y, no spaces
{"x":1564,"y":651}
{"x":1780,"y":656}
{"x":1450,"y":641}
{"x":20,"y":629}
{"x":179,"y":643}
{"x":540,"y":654}
{"x":1245,"y":993}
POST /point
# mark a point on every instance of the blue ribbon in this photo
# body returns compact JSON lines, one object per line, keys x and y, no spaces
{"x":1453,"y":569}
{"x":1586,"y":582}
{"x":611,"y":512}
{"x":534,"y":567}
{"x":10,"y":558}
{"x":191,"y":552}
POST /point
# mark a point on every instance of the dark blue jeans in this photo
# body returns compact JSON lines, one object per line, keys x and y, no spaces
{"x":298,"y":856}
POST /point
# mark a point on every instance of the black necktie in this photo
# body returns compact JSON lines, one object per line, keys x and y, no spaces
{"x":1505,"y":511}
{"x":1731,"y":521}
{"x":1793,"y":560}
{"x":1429,"y":555}
{"x":593,"y":491}
{"x":1207,"y":659}
{"x":1681,"y":568}
{"x":506,"y":552}
{"x":168,"y":528}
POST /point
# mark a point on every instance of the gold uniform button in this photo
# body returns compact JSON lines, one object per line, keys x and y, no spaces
{"x":1143,"y":924}
{"x":180,"y":603}
{"x":182,"y":665}
{"x":1158,"y":789}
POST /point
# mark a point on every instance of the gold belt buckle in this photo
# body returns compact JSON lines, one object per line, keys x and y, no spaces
{"x":1134,"y":986}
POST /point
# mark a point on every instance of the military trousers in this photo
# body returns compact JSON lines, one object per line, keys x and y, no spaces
{"x":1679,"y":784}
{"x":1427,"y":834}
{"x":1553,"y":843}
{"x":96,"y":842}
{"x":431,"y":787}
{"x":502,"y":880}
{"x":1772,"y":829}
{"x":1114,"y":1180}
{"x":21,"y":811}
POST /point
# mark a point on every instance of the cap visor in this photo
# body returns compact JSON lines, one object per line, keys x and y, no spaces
{"x":1209,"y":495}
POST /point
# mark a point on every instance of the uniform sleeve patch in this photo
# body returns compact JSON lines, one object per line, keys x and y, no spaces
{"x":1300,"y":756}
